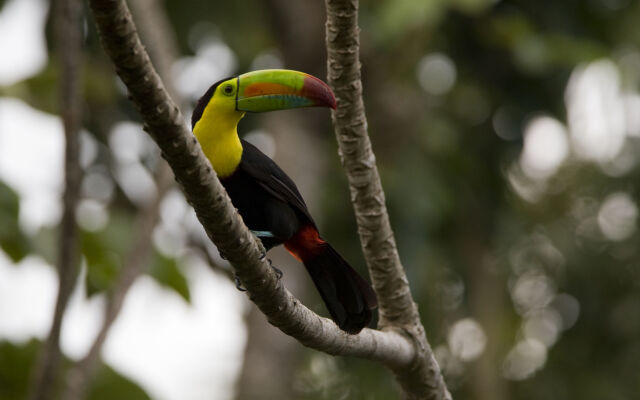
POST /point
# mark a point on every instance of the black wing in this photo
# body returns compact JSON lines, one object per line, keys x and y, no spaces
{"x":271,"y":178}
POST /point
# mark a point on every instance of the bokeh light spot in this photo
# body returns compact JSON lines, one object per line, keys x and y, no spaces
{"x":545,"y":147}
{"x":532,"y":291}
{"x":466,"y":339}
{"x":527,"y":357}
{"x":436,"y":73}
{"x":617,"y":216}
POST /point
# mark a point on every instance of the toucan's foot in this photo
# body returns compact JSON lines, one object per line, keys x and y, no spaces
{"x":239,"y":284}
{"x":279,"y":273}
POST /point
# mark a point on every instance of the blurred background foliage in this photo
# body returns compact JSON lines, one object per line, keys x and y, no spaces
{"x":507,"y":136}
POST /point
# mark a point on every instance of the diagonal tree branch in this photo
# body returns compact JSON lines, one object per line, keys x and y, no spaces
{"x":67,"y":22}
{"x":397,"y":308}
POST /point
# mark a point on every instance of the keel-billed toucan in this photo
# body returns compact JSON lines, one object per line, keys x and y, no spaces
{"x":266,"y":198}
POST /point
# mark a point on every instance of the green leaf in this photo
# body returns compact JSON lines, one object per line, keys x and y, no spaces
{"x":107,"y":384}
{"x":45,"y":243}
{"x":165,"y":270}
{"x":17,"y":362}
{"x":103,"y":263}
{"x":104,"y":251}
{"x":15,"y":368}
{"x":12,"y":240}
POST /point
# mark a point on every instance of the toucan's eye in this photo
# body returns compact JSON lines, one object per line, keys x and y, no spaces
{"x":228,"y":89}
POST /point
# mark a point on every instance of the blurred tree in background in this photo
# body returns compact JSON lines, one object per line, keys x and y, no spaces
{"x":507,"y":135}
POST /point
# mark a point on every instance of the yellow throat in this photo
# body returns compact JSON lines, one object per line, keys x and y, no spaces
{"x":217,"y":132}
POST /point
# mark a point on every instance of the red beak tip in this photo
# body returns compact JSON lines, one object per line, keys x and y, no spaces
{"x":320,"y":92}
{"x":331,"y":98}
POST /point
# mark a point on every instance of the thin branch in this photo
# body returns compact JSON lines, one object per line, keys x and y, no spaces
{"x":397,"y":308}
{"x":78,"y":377}
{"x":165,"y":124}
{"x":163,"y":49}
{"x":67,"y":20}
{"x":378,"y":243}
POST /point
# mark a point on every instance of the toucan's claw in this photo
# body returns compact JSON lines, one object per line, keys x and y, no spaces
{"x":263,"y":255}
{"x":239,"y":284}
{"x":279,"y":273}
{"x":222,"y":255}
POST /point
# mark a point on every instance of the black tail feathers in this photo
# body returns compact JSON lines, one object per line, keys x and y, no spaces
{"x":348,"y":297}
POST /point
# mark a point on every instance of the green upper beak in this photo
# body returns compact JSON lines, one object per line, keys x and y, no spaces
{"x":280,"y":89}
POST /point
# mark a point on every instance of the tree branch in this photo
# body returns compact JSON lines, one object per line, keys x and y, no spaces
{"x":67,"y":22}
{"x":397,"y":308}
{"x":164,"y":122}
{"x":79,"y":375}
{"x":378,"y":243}
{"x":162,"y":47}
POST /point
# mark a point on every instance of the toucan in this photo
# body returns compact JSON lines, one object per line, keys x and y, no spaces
{"x":266,"y":198}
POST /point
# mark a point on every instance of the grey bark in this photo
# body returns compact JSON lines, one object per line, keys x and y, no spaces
{"x":68,"y":39}
{"x":423,"y":380}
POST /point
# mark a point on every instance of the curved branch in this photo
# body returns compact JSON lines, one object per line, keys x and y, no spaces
{"x":397,"y":307}
{"x":166,"y":125}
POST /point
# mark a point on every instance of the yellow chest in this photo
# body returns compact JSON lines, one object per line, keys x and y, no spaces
{"x":224,"y":155}
{"x":219,"y":139}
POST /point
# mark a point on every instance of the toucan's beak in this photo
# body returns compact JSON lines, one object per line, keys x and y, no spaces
{"x":280,"y":89}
